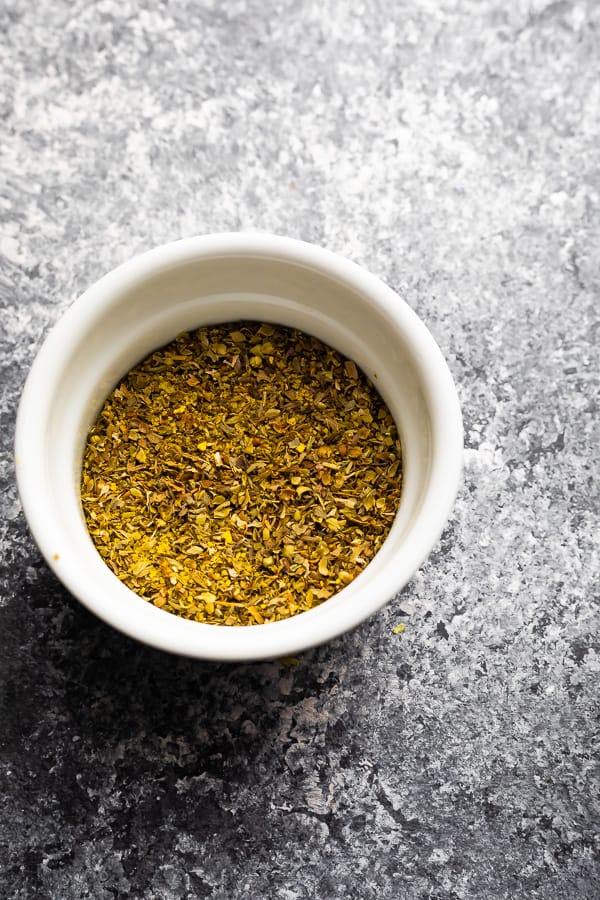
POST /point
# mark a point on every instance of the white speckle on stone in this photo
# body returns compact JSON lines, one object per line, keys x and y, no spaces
{"x":9,"y":248}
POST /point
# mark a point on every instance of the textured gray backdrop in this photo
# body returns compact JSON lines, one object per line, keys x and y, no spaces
{"x":451,"y":147}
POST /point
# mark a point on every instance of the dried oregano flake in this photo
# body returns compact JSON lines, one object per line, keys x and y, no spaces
{"x":242,"y":474}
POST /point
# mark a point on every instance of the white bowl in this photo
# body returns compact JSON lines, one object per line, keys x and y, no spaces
{"x":145,"y":303}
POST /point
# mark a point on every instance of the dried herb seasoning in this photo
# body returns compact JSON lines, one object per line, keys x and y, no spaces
{"x":241,"y":474}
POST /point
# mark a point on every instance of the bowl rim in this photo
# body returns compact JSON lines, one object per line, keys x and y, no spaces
{"x":311,"y":628}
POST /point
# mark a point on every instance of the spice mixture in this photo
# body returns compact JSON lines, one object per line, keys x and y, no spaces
{"x":242,"y":474}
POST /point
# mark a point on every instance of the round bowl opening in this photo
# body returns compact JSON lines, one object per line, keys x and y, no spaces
{"x":222,"y":278}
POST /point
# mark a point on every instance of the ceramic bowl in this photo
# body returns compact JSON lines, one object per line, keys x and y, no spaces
{"x":145,"y":303}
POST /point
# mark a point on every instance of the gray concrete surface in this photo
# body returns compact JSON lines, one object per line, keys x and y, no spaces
{"x":452,"y":148}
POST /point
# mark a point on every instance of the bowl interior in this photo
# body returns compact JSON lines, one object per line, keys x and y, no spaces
{"x":147,"y":303}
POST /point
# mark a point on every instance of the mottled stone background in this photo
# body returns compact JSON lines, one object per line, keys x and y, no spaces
{"x":451,"y":147}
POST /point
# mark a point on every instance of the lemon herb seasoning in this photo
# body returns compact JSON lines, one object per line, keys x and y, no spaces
{"x":241,"y":474}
